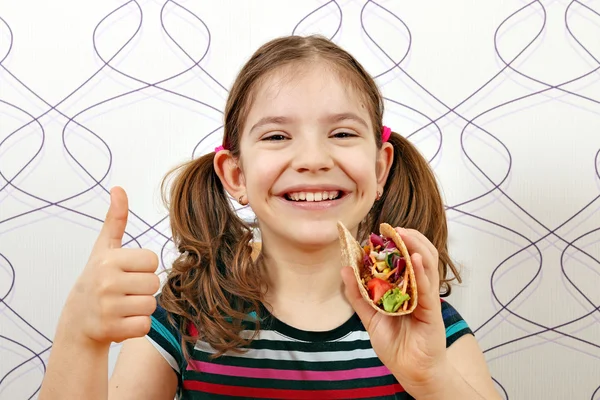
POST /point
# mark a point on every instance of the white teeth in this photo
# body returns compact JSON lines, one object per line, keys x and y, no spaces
{"x":313,"y":196}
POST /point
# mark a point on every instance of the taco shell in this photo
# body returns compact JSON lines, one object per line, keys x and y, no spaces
{"x":352,"y":255}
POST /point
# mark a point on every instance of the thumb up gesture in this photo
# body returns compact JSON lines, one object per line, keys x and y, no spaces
{"x":114,"y":296}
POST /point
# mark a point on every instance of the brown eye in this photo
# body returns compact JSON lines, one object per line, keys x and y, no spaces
{"x":275,"y":138}
{"x":344,"y":135}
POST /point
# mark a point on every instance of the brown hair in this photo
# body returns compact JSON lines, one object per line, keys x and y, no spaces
{"x":214,"y":283}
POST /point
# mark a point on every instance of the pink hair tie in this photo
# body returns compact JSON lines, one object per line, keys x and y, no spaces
{"x":219,"y":148}
{"x":386,"y":132}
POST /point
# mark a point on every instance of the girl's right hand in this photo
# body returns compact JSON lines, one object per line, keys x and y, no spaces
{"x":113,"y":298}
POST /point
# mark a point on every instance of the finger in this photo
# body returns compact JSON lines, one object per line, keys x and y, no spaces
{"x":359,"y":304}
{"x":131,"y":327}
{"x":134,"y":260}
{"x":417,"y":243}
{"x":131,"y":306}
{"x":424,"y":240}
{"x":146,"y":283}
{"x":111,"y":234}
{"x":428,"y":304}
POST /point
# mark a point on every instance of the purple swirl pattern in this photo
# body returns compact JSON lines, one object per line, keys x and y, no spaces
{"x":503,"y":100}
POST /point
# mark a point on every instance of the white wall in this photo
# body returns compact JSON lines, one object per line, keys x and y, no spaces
{"x":505,"y":104}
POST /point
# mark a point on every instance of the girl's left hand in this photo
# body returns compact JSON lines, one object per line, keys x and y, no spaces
{"x":412,"y":347}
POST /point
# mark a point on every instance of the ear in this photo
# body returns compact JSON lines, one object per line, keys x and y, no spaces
{"x":385,"y":158}
{"x":230,"y":173}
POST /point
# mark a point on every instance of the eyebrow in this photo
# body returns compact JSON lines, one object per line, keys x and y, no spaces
{"x":348,"y":116}
{"x":270,"y":120}
{"x":332,"y":119}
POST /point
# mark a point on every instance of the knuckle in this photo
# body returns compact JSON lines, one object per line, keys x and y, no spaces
{"x":107,"y":284}
{"x":102,"y":265}
{"x":155,"y":283}
{"x":144,"y":325}
{"x":149,"y":305}
{"x":106,"y":260}
{"x":152,"y":258}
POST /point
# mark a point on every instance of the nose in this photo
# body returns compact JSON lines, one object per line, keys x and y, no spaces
{"x":312,"y":155}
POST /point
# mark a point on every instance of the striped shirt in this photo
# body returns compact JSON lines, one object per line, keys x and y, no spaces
{"x":287,"y":363}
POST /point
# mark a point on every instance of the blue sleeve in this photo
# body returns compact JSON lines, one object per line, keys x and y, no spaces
{"x":456,"y":326}
{"x":166,"y":339}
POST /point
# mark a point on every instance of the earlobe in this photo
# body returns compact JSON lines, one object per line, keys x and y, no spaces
{"x":231,"y":175}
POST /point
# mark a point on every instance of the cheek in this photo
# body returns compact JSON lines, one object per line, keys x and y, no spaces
{"x":366,"y":176}
{"x":363,"y":168}
{"x":260,"y":172}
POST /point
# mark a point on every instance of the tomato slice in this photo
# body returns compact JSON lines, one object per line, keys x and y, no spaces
{"x":377,"y":288}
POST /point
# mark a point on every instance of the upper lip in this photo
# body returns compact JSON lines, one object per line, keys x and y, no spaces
{"x":312,"y":188}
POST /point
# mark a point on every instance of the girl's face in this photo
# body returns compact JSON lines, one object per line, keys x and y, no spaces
{"x":309,"y":157}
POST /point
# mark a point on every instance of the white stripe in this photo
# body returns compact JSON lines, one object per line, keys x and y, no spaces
{"x":268,"y":335}
{"x":166,"y":355}
{"x":286,"y":355}
{"x":275,"y":335}
{"x":356,"y":335}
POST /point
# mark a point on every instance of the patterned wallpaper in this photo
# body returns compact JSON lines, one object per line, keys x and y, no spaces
{"x":502,"y":97}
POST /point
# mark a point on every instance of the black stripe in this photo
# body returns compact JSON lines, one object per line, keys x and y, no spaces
{"x":289,"y":364}
{"x":450,"y":314}
{"x":397,"y":396}
{"x":291,"y":384}
{"x":192,"y":395}
{"x":454,"y":337}
{"x":310,"y":347}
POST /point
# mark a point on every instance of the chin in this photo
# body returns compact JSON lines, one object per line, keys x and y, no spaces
{"x":315,"y":234}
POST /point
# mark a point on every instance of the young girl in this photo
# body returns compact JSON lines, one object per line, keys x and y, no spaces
{"x":305,"y":147}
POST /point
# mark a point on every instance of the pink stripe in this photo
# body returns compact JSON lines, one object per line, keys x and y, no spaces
{"x":286,"y":374}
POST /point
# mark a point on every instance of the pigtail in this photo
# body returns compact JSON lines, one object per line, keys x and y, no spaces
{"x":412,"y":199}
{"x":213,"y":284}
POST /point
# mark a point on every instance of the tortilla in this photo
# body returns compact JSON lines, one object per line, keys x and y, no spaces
{"x":352,"y":255}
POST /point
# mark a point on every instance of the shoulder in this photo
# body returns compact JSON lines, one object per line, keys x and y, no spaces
{"x":456,"y":326}
{"x":165,"y":337}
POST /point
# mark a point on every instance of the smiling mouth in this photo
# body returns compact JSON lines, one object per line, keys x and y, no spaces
{"x":314,"y":196}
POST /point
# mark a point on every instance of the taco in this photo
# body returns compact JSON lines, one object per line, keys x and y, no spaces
{"x":383,"y":270}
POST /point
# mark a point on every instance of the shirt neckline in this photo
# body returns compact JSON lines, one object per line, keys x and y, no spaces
{"x":271,"y":322}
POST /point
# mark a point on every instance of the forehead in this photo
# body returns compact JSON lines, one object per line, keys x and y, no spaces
{"x":306,"y":91}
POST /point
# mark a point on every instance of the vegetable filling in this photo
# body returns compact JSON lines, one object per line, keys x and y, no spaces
{"x":384,"y":273}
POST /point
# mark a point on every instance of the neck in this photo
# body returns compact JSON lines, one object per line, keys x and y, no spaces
{"x":308,"y":275}
{"x":304,"y":282}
